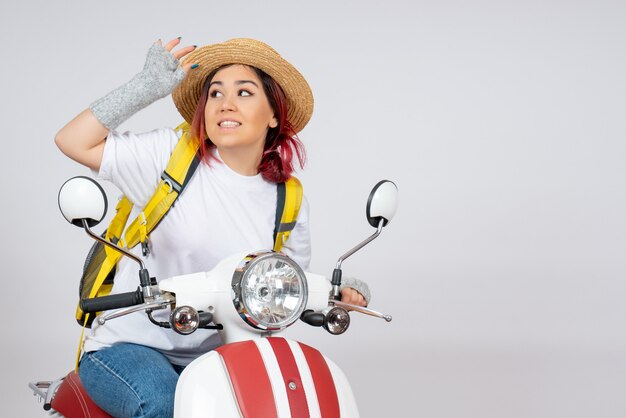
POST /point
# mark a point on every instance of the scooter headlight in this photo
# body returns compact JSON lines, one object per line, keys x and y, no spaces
{"x":269,"y":290}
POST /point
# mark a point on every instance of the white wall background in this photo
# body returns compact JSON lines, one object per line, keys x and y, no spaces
{"x":502,"y":123}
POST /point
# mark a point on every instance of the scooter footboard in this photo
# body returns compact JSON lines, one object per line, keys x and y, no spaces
{"x":268,"y":378}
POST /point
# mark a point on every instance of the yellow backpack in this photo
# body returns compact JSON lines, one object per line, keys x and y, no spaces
{"x":99,"y":270}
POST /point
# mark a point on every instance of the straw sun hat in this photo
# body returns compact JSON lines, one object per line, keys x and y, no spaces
{"x":248,"y":52}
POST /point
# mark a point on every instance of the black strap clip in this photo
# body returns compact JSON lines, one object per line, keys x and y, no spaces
{"x":145,"y":249}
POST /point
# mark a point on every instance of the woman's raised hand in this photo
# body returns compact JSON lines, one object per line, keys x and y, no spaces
{"x":82,"y":139}
{"x":162,"y":71}
{"x":180,"y":53}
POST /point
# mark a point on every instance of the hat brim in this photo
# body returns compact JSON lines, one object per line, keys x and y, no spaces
{"x":247,"y":52}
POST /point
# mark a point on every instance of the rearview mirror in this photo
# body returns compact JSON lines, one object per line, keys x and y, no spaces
{"x":381,"y":207}
{"x":82,"y":198}
{"x":382,"y":203}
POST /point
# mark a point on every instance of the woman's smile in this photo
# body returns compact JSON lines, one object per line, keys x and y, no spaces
{"x":229,"y":124}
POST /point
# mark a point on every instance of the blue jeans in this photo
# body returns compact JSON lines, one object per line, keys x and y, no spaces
{"x":130,"y":380}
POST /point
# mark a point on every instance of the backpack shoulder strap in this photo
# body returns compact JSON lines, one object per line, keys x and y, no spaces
{"x":180,"y":168}
{"x":116,"y":227}
{"x":289,"y":200}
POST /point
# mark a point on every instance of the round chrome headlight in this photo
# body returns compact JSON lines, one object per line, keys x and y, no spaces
{"x":269,"y":290}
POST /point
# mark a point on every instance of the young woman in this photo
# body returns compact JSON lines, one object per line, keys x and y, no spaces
{"x":246,"y":104}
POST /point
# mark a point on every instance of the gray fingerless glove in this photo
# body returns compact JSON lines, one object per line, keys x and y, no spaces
{"x":160,"y":75}
{"x":357,"y":285}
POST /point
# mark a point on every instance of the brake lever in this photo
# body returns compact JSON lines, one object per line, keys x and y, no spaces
{"x":160,"y":303}
{"x":361,"y":309}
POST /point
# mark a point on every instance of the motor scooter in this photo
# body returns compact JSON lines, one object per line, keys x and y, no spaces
{"x":251,"y":298}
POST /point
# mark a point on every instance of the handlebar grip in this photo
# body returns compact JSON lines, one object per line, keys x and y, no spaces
{"x":105,"y":303}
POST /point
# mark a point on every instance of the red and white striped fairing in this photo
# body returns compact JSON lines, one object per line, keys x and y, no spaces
{"x":278,"y":378}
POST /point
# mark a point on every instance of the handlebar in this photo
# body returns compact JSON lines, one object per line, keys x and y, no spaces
{"x":105,"y":303}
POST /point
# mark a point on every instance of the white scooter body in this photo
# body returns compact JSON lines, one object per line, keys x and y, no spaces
{"x":205,"y":388}
{"x":256,"y":373}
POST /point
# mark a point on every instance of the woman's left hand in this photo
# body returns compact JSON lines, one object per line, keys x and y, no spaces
{"x":352,"y":296}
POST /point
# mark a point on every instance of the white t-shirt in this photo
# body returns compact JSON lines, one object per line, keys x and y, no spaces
{"x":219,"y":213}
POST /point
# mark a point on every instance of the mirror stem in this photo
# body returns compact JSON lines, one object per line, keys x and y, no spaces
{"x":111,"y":245}
{"x":144,"y":276}
{"x":336,"y":281}
{"x":362,"y":244}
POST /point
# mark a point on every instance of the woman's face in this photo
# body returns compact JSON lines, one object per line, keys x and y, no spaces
{"x":237,"y":112}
